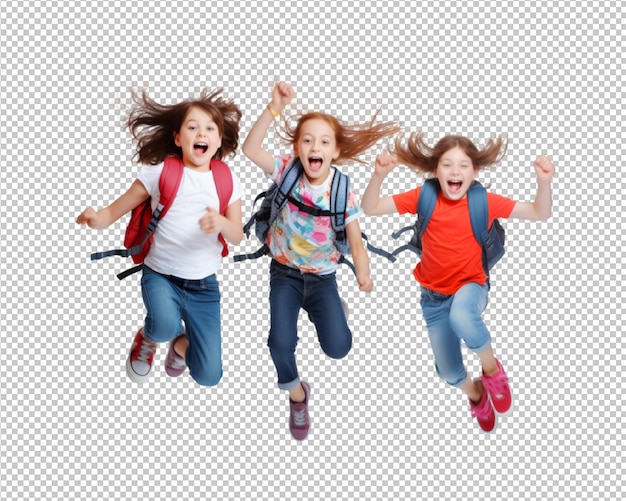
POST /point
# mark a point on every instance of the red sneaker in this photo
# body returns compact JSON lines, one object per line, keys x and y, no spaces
{"x":140,"y":358}
{"x":299,"y":421}
{"x":483,"y":412}
{"x":497,"y":385}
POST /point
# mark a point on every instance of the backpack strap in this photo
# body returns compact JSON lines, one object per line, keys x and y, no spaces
{"x":479,"y":213}
{"x":169,"y":181}
{"x":479,"y":217}
{"x":288,"y":181}
{"x":425,"y":207}
{"x":426,"y":202}
{"x":339,"y":191}
{"x":224,"y":185}
{"x":280,"y":196}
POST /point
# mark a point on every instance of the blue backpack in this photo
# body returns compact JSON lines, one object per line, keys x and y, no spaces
{"x":278,"y":194}
{"x":491,"y":241}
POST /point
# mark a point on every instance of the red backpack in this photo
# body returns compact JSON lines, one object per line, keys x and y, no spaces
{"x":143,"y":221}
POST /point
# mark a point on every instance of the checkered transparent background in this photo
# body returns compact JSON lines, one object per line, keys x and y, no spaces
{"x":547,"y":74}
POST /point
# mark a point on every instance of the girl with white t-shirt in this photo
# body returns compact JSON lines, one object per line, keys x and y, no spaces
{"x":179,"y":285}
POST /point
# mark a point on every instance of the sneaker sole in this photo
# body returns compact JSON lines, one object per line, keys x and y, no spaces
{"x":134,"y":377}
{"x":509,"y":411}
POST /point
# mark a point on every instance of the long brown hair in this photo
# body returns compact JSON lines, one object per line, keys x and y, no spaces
{"x":418,"y":155}
{"x":153,"y":125}
{"x":352,"y":140}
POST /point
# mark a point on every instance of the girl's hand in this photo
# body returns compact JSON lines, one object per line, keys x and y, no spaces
{"x":212,"y":221}
{"x":90,"y":217}
{"x":544,"y":168}
{"x":365,"y":283}
{"x":385,"y":163}
{"x":281,"y":96}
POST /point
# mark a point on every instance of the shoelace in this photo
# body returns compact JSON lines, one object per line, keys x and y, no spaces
{"x":178,"y":362}
{"x":299,"y":417}
{"x":483,"y":410}
{"x":498,"y":386}
{"x":146,"y":349}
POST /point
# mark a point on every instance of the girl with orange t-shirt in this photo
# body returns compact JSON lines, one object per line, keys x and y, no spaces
{"x":454,"y":286}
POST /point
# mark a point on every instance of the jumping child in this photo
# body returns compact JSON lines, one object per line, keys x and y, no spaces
{"x":179,"y":282}
{"x":305,"y":259}
{"x":454,"y":286}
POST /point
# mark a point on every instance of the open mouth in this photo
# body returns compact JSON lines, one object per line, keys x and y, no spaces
{"x":315,"y":163}
{"x":200,"y":148}
{"x":455,"y":186}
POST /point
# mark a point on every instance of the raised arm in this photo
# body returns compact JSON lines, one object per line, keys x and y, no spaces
{"x":253,"y":145}
{"x":541,"y":208}
{"x":371,"y":202}
{"x":103,"y":218}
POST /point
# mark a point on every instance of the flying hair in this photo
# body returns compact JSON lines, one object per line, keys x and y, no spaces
{"x":352,"y":140}
{"x":153,"y":125}
{"x":419,"y":156}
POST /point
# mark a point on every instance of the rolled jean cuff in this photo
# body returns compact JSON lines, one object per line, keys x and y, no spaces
{"x":290,"y":385}
{"x":482,"y":348}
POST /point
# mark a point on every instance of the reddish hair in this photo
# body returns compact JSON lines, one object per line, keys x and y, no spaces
{"x":419,"y":156}
{"x":153,"y":125}
{"x":352,"y":140}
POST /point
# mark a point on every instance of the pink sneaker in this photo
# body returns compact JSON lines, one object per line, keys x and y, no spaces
{"x":497,"y":385}
{"x":175,"y":365}
{"x":483,"y":412}
{"x":299,"y":421}
{"x":140,"y":358}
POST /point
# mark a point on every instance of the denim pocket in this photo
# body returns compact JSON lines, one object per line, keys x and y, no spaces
{"x":430,"y":296}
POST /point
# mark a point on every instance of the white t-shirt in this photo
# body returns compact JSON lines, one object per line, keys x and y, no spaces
{"x":180,"y":248}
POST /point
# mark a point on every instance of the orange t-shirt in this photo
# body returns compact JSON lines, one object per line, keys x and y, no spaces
{"x":451,"y":256}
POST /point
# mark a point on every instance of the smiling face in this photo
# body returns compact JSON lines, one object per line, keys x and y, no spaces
{"x":317,"y":148}
{"x":455,"y":172}
{"x":199,"y":138}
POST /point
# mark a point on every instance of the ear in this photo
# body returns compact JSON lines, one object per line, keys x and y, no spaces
{"x":176,"y":139}
{"x":295,"y":150}
{"x":336,"y":153}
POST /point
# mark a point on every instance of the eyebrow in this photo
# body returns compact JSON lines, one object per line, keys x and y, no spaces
{"x":193,"y":120}
{"x":324,"y":136}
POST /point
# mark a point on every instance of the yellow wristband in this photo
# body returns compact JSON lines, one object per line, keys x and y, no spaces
{"x":272,"y":111}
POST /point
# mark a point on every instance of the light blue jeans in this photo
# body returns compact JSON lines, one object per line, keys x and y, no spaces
{"x":170,"y":301}
{"x":450,"y":319}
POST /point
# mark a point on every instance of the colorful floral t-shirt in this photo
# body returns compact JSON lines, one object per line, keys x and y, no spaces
{"x":301,"y":240}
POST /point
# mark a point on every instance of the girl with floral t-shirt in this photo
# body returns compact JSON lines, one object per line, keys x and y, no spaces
{"x":302,"y":273}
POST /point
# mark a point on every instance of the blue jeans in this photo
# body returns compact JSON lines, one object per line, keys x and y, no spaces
{"x":170,"y":301}
{"x":450,"y":319}
{"x":318,"y":295}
